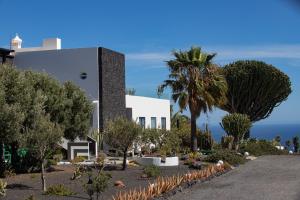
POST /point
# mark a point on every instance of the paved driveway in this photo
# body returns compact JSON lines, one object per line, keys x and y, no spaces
{"x":266,"y":178}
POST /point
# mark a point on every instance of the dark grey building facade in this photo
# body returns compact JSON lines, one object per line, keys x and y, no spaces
{"x":100,"y":72}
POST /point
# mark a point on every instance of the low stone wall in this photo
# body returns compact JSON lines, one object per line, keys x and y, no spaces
{"x":158,"y":161}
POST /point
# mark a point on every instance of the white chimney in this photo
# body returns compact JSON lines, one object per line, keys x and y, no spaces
{"x":16,"y":43}
{"x":52,"y":43}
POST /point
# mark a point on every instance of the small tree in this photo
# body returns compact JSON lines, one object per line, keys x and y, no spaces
{"x":100,"y":183}
{"x":296,"y":144}
{"x":42,"y":136}
{"x":120,"y":134}
{"x":170,"y":142}
{"x":236,"y":125}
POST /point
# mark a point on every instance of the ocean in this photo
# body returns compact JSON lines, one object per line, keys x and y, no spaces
{"x":266,"y":131}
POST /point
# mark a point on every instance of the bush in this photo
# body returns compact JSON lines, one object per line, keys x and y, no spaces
{"x":152,"y":171}
{"x":31,"y":197}
{"x":9,"y":173}
{"x":58,"y":157}
{"x":100,"y":183}
{"x":194,"y":156}
{"x":261,"y":147}
{"x":205,"y":139}
{"x":78,"y":159}
{"x":100,"y":159}
{"x":51,"y":162}
{"x":2,"y":188}
{"x":226,"y":155}
{"x":59,"y":190}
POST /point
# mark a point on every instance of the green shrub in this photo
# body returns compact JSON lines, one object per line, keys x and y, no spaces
{"x":58,"y":157}
{"x":59,"y":190}
{"x":101,"y":159}
{"x":2,"y":188}
{"x":78,"y":159}
{"x":260,"y":147}
{"x":51,"y":162}
{"x":205,"y":139}
{"x":152,"y":171}
{"x":100,"y":183}
{"x":9,"y":173}
{"x":227,"y":156}
{"x":31,"y":197}
{"x":194,"y":155}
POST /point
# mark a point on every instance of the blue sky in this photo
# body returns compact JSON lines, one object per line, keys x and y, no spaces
{"x":146,"y":31}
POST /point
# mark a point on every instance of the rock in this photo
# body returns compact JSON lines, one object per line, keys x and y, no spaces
{"x":144,"y":176}
{"x":251,"y":157}
{"x":220,"y":162}
{"x":119,"y":184}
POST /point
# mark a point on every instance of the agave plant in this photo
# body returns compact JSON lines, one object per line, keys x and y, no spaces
{"x":165,"y":184}
{"x":2,"y":188}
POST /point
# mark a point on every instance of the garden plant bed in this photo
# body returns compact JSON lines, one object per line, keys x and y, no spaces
{"x":22,"y":186}
{"x":188,"y":185}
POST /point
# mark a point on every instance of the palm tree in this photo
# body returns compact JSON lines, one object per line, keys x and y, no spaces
{"x":196,"y":83}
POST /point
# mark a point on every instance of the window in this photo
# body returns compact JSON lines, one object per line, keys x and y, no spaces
{"x":153,"y":122}
{"x":142,"y":122}
{"x":163,"y":123}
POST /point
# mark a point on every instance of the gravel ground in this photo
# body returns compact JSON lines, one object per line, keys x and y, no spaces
{"x":22,"y":186}
{"x":266,"y":178}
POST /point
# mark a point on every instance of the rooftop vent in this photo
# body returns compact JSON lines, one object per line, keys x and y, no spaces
{"x":52,"y":43}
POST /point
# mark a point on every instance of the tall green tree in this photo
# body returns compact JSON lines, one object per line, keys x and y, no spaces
{"x":120,"y":134}
{"x":196,"y":83}
{"x":65,"y":104}
{"x":255,"y":88}
{"x":43,"y":135}
{"x":77,"y":112}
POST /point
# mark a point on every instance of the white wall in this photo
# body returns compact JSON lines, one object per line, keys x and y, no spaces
{"x":149,"y":107}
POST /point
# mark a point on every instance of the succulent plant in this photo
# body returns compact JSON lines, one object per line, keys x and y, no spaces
{"x":3,"y":185}
{"x":166,"y":184}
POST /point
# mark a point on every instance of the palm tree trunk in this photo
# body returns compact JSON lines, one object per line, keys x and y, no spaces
{"x":43,"y":177}
{"x":194,"y":145}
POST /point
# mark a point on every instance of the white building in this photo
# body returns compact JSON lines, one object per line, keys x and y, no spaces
{"x":149,"y":112}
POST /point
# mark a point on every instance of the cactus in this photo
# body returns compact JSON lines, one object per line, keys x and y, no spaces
{"x":206,"y":140}
{"x":2,"y":188}
{"x":237,"y":125}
